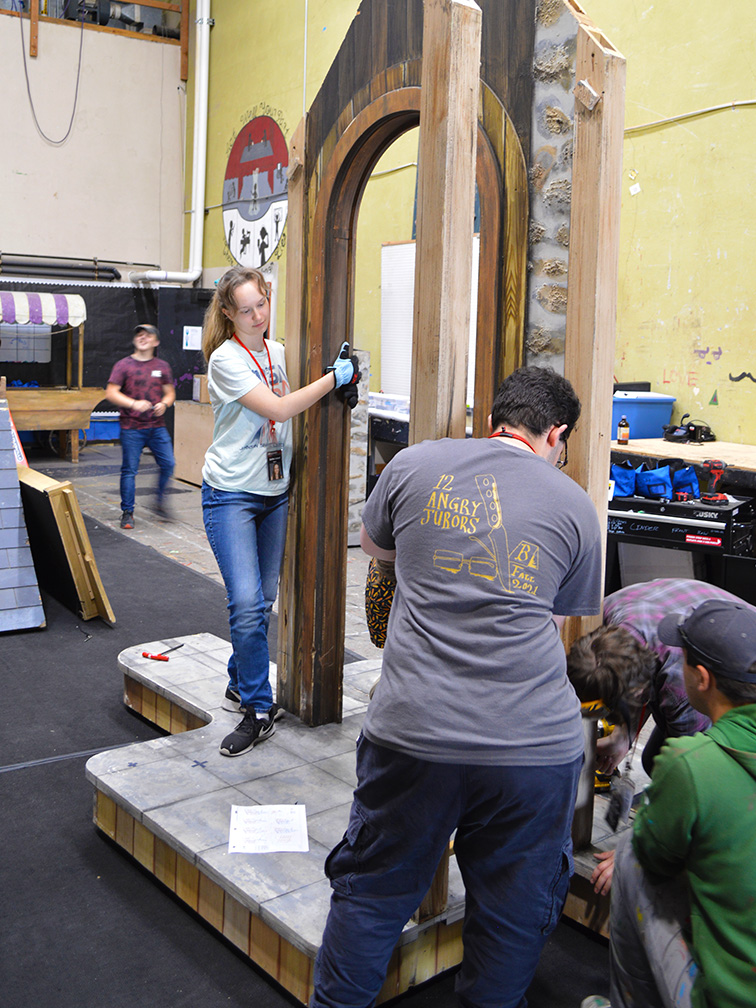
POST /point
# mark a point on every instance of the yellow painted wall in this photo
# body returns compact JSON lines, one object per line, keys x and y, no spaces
{"x":258,"y":65}
{"x":688,"y":235}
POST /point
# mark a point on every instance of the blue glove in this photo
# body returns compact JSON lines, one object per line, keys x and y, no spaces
{"x":344,"y":370}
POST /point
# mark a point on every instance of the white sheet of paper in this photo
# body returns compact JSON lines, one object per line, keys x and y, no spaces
{"x":192,"y":337}
{"x":262,"y":829}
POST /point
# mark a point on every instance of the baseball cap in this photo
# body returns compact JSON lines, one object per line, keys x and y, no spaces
{"x":147,"y":328}
{"x":722,"y":632}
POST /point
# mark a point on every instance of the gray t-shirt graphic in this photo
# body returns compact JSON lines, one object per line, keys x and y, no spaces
{"x":491,"y":540}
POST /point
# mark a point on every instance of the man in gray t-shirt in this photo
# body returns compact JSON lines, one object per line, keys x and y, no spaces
{"x":474,"y":727}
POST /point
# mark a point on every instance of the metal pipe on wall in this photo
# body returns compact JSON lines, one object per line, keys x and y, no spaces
{"x":199,"y":159}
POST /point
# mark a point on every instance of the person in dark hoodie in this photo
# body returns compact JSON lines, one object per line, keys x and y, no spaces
{"x":683,"y":915}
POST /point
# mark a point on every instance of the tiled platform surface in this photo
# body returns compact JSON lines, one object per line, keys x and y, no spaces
{"x":168,"y":803}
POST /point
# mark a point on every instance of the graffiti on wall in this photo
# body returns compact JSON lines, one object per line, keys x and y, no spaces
{"x":255,"y":192}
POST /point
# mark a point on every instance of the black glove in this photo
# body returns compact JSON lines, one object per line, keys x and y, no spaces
{"x":347,"y":374}
{"x":349,"y":393}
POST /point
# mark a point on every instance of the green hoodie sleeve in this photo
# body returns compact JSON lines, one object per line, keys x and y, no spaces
{"x":665,"y":823}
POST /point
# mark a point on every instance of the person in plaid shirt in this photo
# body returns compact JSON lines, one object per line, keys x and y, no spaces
{"x":626,"y":665}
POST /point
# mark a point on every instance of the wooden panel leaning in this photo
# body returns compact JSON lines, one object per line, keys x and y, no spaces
{"x":62,"y":552}
{"x":592,"y":296}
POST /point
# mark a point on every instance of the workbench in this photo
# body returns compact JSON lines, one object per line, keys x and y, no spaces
{"x":739,"y":477}
{"x":734,"y":573}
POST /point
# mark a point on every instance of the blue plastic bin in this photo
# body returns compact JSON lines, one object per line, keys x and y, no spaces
{"x":647,"y":413}
{"x":103,"y":426}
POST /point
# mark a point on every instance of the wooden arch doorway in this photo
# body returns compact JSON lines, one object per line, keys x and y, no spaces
{"x":350,"y":125}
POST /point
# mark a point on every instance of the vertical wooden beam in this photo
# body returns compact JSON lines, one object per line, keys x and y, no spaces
{"x":292,"y":653}
{"x":184,"y":36}
{"x":80,"y":361}
{"x":34,"y":27}
{"x":446,"y":204}
{"x":594,"y":259}
{"x":592,"y":289}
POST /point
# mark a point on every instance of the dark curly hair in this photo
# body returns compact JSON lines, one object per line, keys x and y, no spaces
{"x":535,"y":399}
{"x":609,"y":664}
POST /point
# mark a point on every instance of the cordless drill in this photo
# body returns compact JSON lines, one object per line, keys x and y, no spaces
{"x":714,"y":469}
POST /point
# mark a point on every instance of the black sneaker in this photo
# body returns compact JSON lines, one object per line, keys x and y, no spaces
{"x":275,"y":713}
{"x":232,"y":701}
{"x":127,"y":519}
{"x":247,"y":734}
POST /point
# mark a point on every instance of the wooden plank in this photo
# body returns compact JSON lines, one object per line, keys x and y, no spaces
{"x":390,"y":987}
{"x":290,"y":644}
{"x":295,"y":972}
{"x":124,"y":831}
{"x":445,"y":208}
{"x":60,"y":545}
{"x":236,"y":923}
{"x":165,"y":866}
{"x":592,"y":293}
{"x":515,"y":251}
{"x":34,"y":27}
{"x":507,"y":59}
{"x":144,"y":846}
{"x":737,"y":456}
{"x":132,"y":693}
{"x":105,"y":814}
{"x":264,"y":946}
{"x":449,"y":945}
{"x":594,"y":257}
{"x":163,"y":712}
{"x":184,"y":41}
{"x":210,"y":902}
{"x":187,"y":882}
{"x":52,"y":409}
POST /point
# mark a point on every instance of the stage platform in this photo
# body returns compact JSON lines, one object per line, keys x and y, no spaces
{"x":168,"y":802}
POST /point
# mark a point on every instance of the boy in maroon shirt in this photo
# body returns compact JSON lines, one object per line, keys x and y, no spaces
{"x":141,"y":386}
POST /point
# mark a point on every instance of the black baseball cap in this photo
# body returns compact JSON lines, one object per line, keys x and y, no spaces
{"x":146,"y":327}
{"x":721,"y":632}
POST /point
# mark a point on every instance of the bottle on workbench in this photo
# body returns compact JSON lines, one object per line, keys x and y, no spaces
{"x":623,"y":431}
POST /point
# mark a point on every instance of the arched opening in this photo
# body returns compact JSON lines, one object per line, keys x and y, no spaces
{"x":329,"y":195}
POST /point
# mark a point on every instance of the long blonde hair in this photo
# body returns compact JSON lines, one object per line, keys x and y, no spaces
{"x":217,"y":327}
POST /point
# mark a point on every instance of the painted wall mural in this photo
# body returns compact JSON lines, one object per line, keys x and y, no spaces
{"x":255,"y":192}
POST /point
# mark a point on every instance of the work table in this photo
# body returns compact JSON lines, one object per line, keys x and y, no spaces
{"x":739,"y":476}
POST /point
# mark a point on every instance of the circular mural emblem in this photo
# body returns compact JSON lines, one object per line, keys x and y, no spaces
{"x":255,"y":192}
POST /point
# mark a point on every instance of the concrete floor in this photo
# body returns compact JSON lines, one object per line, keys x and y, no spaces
{"x":96,"y":481}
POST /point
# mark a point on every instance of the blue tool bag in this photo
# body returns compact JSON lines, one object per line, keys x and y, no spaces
{"x":654,"y":483}
{"x":686,"y":480}
{"x":623,"y":475}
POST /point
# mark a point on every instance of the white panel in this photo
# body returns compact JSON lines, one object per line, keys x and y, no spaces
{"x":397,"y":301}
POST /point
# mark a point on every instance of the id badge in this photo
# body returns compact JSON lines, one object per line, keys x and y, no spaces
{"x":275,"y":465}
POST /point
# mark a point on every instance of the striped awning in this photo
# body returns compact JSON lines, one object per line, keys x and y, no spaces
{"x":17,"y":308}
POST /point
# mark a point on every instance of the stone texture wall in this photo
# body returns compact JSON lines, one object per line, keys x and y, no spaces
{"x":550,"y":183}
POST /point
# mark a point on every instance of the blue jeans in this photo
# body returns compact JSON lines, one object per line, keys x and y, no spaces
{"x":133,"y":443}
{"x":513,"y":848}
{"x":247,"y":533}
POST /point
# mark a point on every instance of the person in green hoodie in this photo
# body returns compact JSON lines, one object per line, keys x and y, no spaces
{"x":683,"y":915}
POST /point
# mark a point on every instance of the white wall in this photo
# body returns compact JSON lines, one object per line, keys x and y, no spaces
{"x":114,"y":189}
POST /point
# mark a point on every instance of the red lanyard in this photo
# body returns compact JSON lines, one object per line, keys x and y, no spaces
{"x":509,"y":434}
{"x":262,"y":372}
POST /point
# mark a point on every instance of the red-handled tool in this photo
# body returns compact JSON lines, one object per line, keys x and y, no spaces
{"x":162,"y":655}
{"x":714,"y":469}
